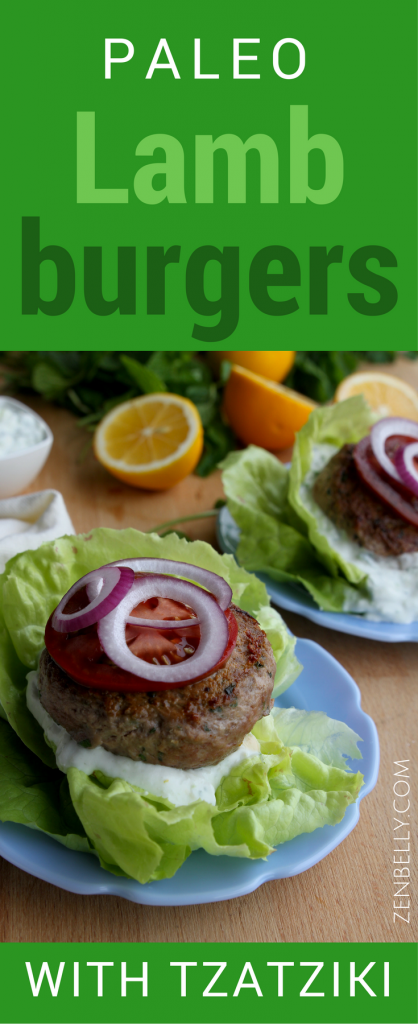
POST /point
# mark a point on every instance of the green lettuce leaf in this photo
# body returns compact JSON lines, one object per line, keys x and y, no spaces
{"x":280,"y":535}
{"x":13,"y":698}
{"x":33,"y":794}
{"x":266,"y":800}
{"x":339,"y":424}
{"x":311,"y":732}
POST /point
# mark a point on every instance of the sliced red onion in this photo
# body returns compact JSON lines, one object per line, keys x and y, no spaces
{"x":213,"y":630}
{"x":406,"y":466}
{"x":106,"y":587}
{"x":134,"y":620}
{"x":380,"y":433}
{"x":214,"y":583}
{"x":94,"y":588}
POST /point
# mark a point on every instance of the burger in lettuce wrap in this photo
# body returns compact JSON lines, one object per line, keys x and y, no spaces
{"x":137,"y":680}
{"x":342,"y":521}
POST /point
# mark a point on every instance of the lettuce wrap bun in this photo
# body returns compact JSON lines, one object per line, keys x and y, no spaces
{"x":294,"y":783}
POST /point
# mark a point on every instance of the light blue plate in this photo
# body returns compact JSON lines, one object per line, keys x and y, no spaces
{"x":322,"y":686}
{"x":295,"y":598}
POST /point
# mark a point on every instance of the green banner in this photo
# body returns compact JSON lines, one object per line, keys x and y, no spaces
{"x":185,"y":174}
{"x":177,"y":983}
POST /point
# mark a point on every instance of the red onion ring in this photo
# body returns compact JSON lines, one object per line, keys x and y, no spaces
{"x":380,"y":433}
{"x":94,"y":588}
{"x":111,"y":585}
{"x":214,"y":583}
{"x":377,"y":481}
{"x":404,"y":461}
{"x":133,"y":620}
{"x":213,"y":631}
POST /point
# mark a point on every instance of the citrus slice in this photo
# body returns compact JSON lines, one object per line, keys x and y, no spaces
{"x":387,"y":395}
{"x":263,"y":413}
{"x":153,"y":441}
{"x":274,"y":365}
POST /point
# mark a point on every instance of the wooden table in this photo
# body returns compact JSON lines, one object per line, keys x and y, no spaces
{"x":348,"y":896}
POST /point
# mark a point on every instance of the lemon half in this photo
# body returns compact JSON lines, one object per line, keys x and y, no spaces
{"x":152,"y":442}
{"x":387,"y":395}
{"x":263,"y":413}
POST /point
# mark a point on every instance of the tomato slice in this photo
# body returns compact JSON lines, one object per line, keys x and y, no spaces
{"x":399,"y":498}
{"x":82,"y":657}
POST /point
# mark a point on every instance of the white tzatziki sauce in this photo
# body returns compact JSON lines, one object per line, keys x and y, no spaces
{"x":19,"y":429}
{"x":179,"y":786}
{"x":392,"y":583}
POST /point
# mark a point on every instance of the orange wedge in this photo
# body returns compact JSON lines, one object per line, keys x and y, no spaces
{"x":387,"y":395}
{"x":153,"y":441}
{"x":274,"y":365}
{"x":262,"y":412}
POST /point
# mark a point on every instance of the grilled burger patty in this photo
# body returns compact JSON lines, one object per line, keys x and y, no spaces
{"x":348,"y":502}
{"x":196,"y":725}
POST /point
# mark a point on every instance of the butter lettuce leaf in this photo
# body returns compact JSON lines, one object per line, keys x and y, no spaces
{"x":311,"y":732}
{"x":343,"y":423}
{"x":264,"y":801}
{"x":36,"y":795}
{"x":268,"y":799}
{"x":13,"y":698}
{"x":280,"y":524}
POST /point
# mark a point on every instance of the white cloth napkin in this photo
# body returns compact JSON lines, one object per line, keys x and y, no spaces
{"x":30,"y":520}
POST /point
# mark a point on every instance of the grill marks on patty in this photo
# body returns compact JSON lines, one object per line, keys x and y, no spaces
{"x":196,"y":725}
{"x":347,"y":501}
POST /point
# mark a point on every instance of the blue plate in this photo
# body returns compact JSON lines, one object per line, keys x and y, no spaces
{"x":295,"y":598}
{"x":323,"y":685}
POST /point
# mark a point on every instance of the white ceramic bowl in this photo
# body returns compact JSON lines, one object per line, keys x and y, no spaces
{"x":19,"y":469}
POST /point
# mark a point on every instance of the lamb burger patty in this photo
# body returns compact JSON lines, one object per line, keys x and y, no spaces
{"x":348,"y":502}
{"x":196,"y":725}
